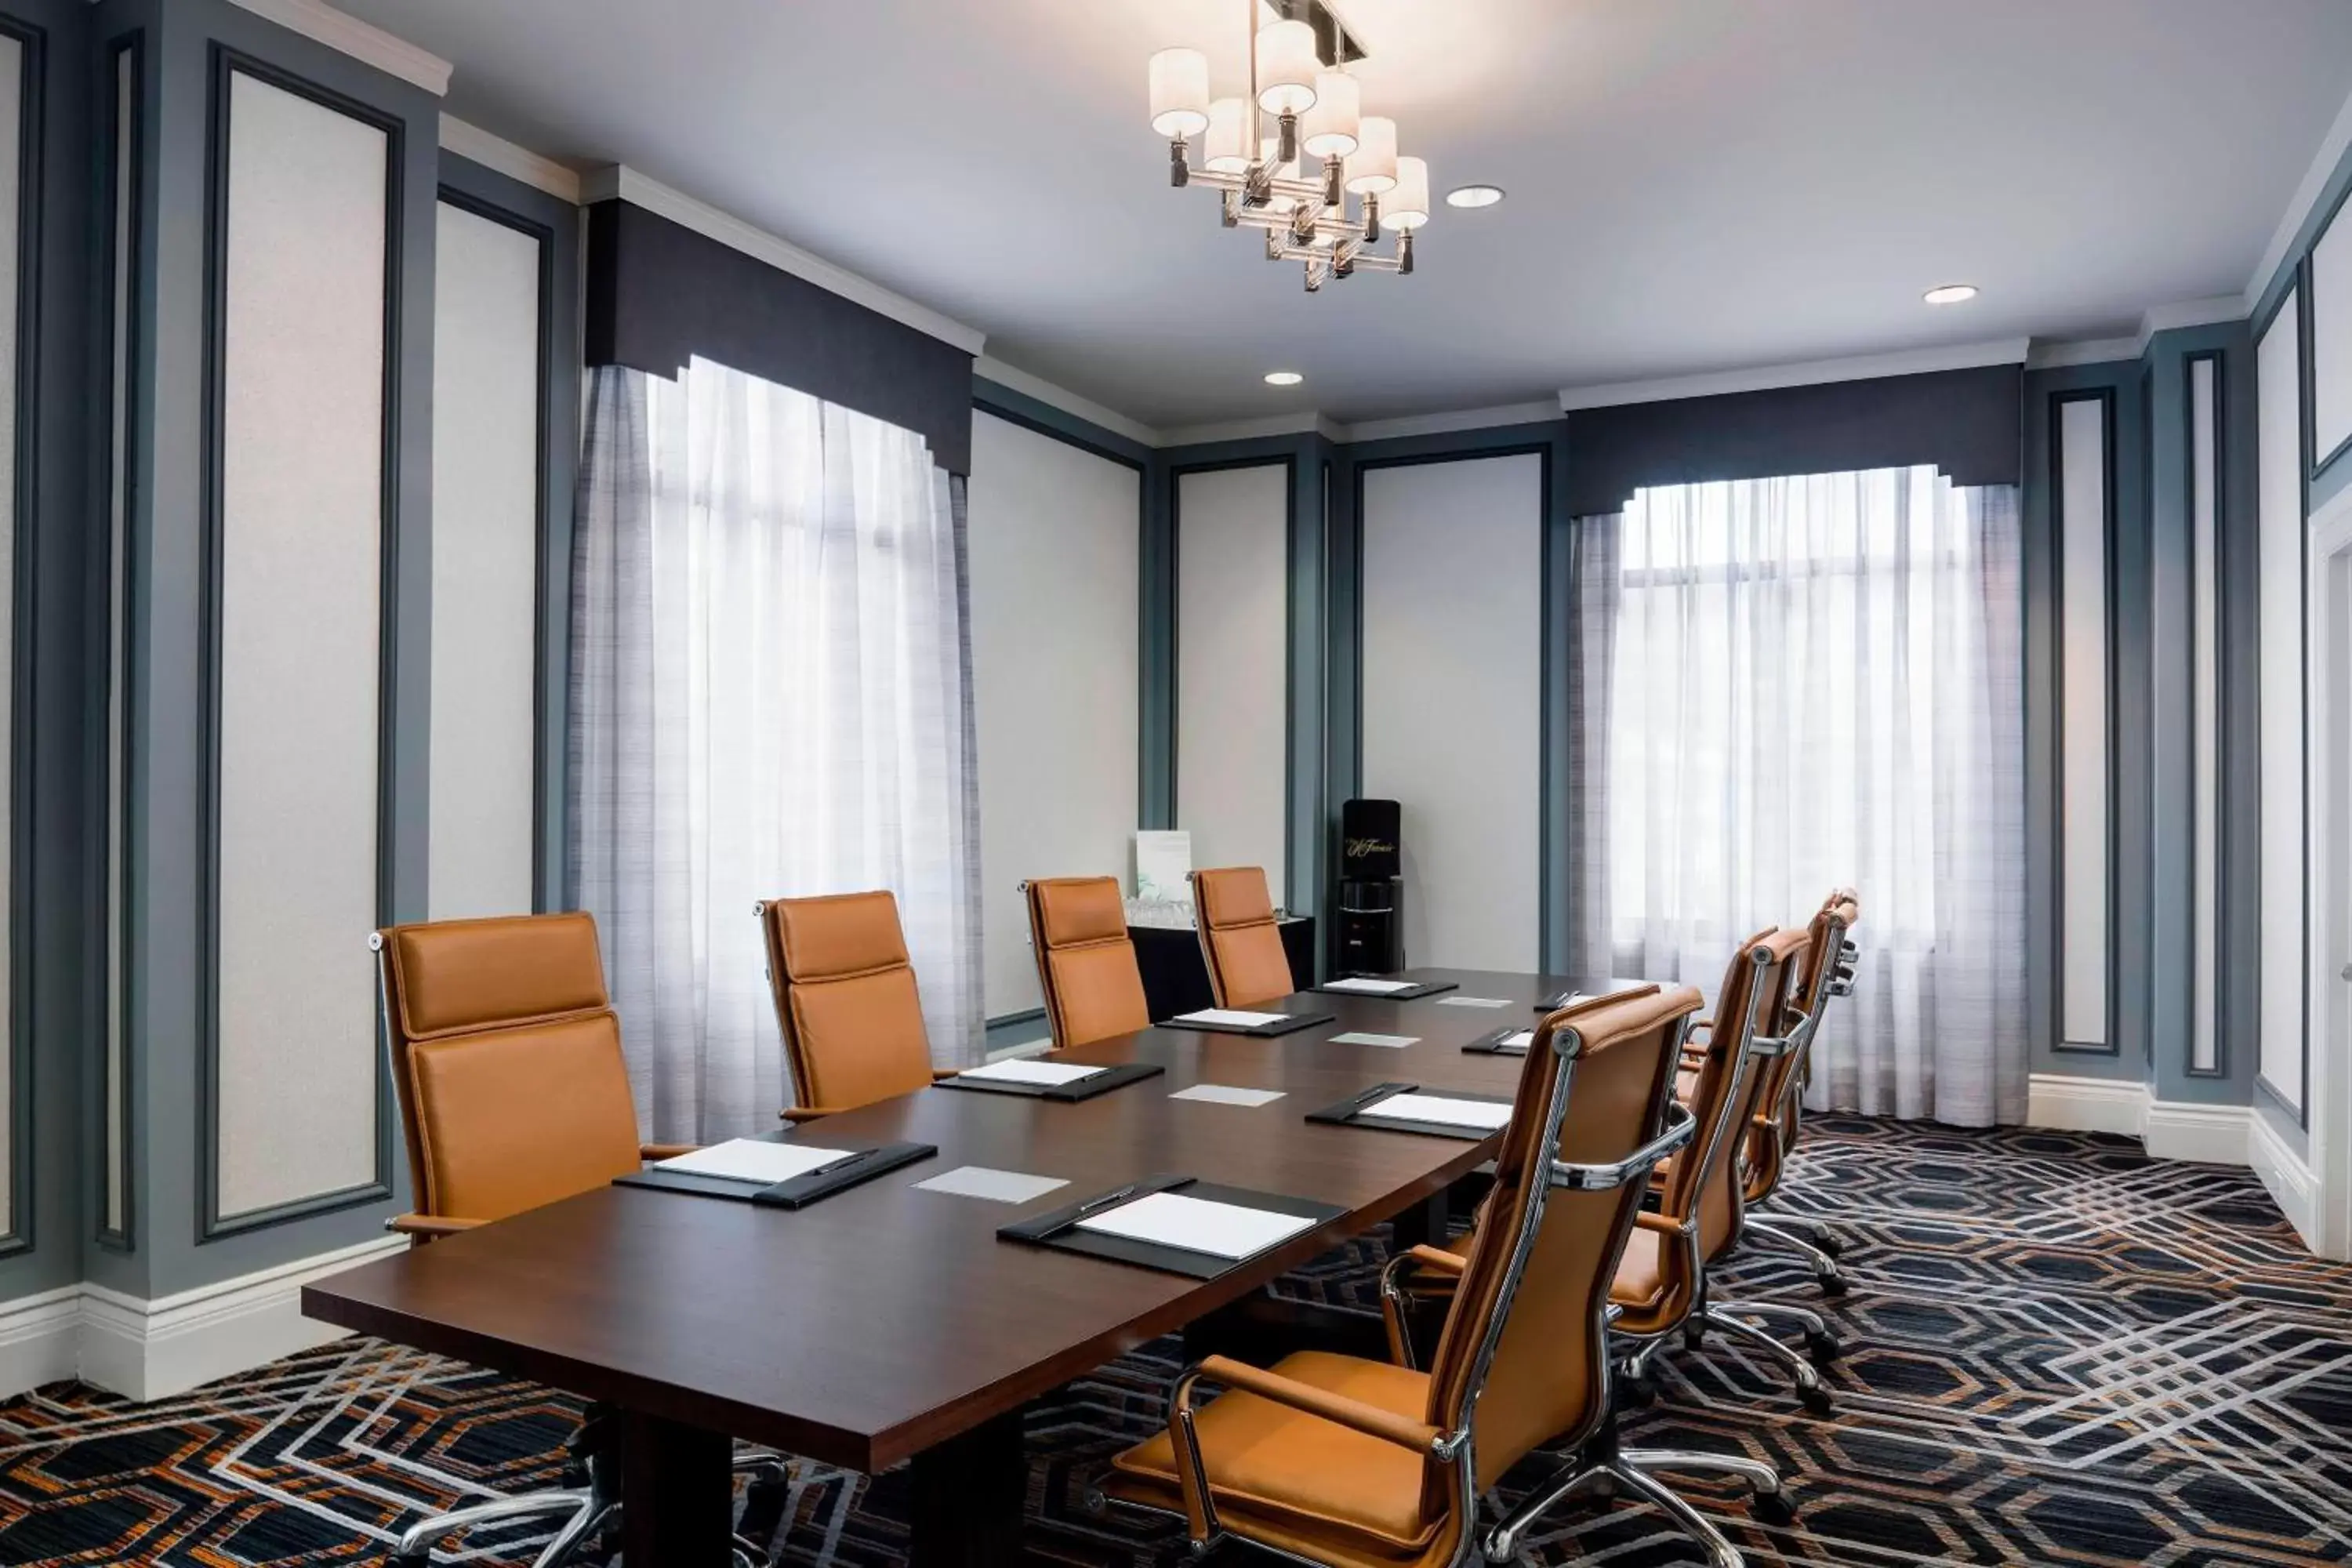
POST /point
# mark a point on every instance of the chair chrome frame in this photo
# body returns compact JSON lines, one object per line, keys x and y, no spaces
{"x":1595,"y":1457}
{"x":1819,"y":1248}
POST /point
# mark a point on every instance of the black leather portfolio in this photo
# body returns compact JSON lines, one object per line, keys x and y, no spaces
{"x":1421,"y":989}
{"x":862,"y":1166}
{"x":1086,"y":1088}
{"x":1060,"y":1228}
{"x":1363,"y":1109}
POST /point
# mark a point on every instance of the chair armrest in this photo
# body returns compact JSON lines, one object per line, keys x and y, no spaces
{"x":1438,"y":1258}
{"x":800,"y":1114}
{"x":1394,"y":1292}
{"x":1657,"y":1222}
{"x":664,"y":1151}
{"x":1191,"y":1474}
{"x":428,"y":1225}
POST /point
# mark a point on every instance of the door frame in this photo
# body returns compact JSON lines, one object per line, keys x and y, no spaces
{"x":2327,"y":1090}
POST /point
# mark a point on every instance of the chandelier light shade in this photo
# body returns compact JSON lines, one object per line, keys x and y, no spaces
{"x":1287,"y":68}
{"x":1329,"y":129}
{"x":1407,"y":207}
{"x":1227,"y":148}
{"x":1371,"y":168}
{"x":1318,"y":188}
{"x":1179,"y":93}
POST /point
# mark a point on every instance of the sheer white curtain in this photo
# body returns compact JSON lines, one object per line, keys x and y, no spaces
{"x":1787,"y":685}
{"x":770,"y":697}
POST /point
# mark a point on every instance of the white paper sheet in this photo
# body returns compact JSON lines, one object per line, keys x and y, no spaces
{"x":1227,"y":1094}
{"x":1388,"y":1041}
{"x":1443,"y":1110}
{"x":1021,"y":1069}
{"x":1473,"y":1001}
{"x":1369,"y":987}
{"x":1197,"y":1225}
{"x":996,"y":1186}
{"x":1518,"y":1040}
{"x":755,"y":1160}
{"x":1230,"y":1017}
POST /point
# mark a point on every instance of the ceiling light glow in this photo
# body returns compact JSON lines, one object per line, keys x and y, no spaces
{"x":1283,"y":378}
{"x":1950,"y":294}
{"x":1473,"y":195}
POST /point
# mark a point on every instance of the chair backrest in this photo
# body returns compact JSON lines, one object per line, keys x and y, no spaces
{"x":1706,"y":1179}
{"x":505,"y":1057}
{"x":845,"y":999}
{"x":1770,"y":1139}
{"x":1085,"y":963}
{"x":1523,"y":1349}
{"x":1239,"y":941}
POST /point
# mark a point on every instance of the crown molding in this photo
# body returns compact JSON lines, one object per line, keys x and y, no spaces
{"x":516,"y":163}
{"x":1813,"y":372}
{"x":617,"y":180}
{"x":1068,"y":402}
{"x":2190,"y":313}
{"x":1306,"y":424}
{"x":349,"y":35}
{"x":1458,"y":420}
{"x":2315,"y":181}
{"x":2093,"y":350}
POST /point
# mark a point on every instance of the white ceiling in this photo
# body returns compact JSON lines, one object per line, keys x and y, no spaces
{"x":1695,"y":185}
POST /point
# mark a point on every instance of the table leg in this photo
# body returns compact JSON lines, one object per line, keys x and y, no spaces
{"x":1423,"y":1225}
{"x":677,"y":1493}
{"x":969,"y":1494}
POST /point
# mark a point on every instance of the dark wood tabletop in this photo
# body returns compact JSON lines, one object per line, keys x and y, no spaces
{"x":885,"y":1321}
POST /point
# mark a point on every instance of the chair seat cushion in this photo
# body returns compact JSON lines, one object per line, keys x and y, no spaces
{"x":1641,"y":1284}
{"x":1296,"y":1479}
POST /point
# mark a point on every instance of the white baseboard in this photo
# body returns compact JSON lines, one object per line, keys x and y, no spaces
{"x":2086,"y":1105}
{"x":2286,"y":1178}
{"x":2213,"y":1134}
{"x":154,"y":1350}
{"x":2172,"y":1129}
{"x":40,"y":1340}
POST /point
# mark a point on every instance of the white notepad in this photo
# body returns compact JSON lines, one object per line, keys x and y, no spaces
{"x":1518,"y":1040}
{"x":1389,"y":1042}
{"x":1443,"y":1110}
{"x":1373,"y":987}
{"x":996,"y":1186}
{"x":1230,"y":1017}
{"x":1198,"y":1224}
{"x":1227,"y":1094}
{"x":755,"y":1160}
{"x":1473,"y":1001}
{"x":1020,"y":1069}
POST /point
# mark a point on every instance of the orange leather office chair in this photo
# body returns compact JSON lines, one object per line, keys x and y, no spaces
{"x":1363,"y":1464}
{"x":1828,"y":972}
{"x":1239,"y":939}
{"x":1086,"y":964}
{"x":506,"y":1058}
{"x":845,"y":1000}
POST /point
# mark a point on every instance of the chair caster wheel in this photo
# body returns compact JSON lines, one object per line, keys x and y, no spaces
{"x":1831,"y":1283}
{"x":1824,"y":1348}
{"x":1637,"y":1393}
{"x":408,"y":1559}
{"x":764,"y":1502}
{"x":1773,"y":1508}
{"x":1825,"y":1242}
{"x":1817,"y":1401}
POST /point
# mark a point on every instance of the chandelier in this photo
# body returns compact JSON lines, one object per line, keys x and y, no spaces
{"x":1294,"y":186}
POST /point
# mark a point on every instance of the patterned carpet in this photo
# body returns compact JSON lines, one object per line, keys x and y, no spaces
{"x":2058,"y":1352}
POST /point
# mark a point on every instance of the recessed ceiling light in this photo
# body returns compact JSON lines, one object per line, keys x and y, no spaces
{"x":1283,"y":378}
{"x":1950,"y":294}
{"x":1474,"y":196}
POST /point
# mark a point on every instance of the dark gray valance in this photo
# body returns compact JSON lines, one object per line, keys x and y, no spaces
{"x":659,"y":294}
{"x":1967,"y":423}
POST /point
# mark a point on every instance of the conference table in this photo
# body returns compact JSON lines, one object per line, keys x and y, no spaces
{"x":887,"y":1324}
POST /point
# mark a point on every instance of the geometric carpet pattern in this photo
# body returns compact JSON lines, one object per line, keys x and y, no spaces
{"x":2057,"y":1352}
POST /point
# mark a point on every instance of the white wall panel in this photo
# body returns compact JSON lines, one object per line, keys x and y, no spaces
{"x":1452,"y":716}
{"x":486,"y":435}
{"x":2083,"y":744}
{"x":1232,"y":575}
{"x":301,"y":542}
{"x":2204,"y":733}
{"x":2280,"y":584}
{"x":1054,"y":534}
{"x":12,"y":106}
{"x":2331,"y":338}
